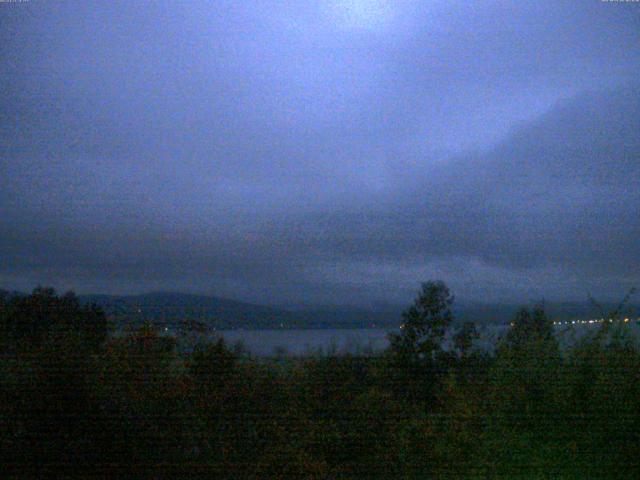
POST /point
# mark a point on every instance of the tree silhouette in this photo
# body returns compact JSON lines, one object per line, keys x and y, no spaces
{"x":464,"y":338}
{"x":414,"y":352}
{"x":425,"y":323}
{"x":28,"y":321}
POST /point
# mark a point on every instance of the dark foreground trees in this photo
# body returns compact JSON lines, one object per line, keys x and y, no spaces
{"x":75,"y":402}
{"x":29,"y":322}
{"x":48,"y":344}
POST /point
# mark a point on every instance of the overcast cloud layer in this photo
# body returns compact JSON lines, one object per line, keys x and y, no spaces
{"x":339,"y":151}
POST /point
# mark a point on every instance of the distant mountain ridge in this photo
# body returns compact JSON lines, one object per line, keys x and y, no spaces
{"x":208,"y":312}
{"x":222,"y":313}
{"x":171,"y":307}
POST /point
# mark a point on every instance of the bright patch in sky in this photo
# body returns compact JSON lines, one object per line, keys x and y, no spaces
{"x":363,"y":14}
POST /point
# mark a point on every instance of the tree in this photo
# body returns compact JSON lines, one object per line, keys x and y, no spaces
{"x":425,"y":323}
{"x":464,"y":338}
{"x":525,"y":374}
{"x":416,"y":356}
{"x":212,"y":364}
{"x":530,"y":326}
{"x":50,"y":342}
{"x":30,"y":320}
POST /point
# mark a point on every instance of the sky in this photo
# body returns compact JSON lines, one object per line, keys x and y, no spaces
{"x":334,"y":152}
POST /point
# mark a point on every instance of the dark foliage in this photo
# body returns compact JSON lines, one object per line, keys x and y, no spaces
{"x":73,"y":402}
{"x":28,"y":322}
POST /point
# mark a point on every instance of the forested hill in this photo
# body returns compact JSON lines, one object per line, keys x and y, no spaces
{"x":209,"y":312}
{"x":172,"y":307}
{"x":221,"y":313}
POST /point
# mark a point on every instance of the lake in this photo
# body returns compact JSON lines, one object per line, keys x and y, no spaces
{"x":305,"y":341}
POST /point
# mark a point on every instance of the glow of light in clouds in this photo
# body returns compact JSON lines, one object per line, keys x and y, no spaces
{"x":363,"y":14}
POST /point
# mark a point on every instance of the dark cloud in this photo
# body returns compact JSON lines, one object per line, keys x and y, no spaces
{"x":338,"y":151}
{"x":563,"y":189}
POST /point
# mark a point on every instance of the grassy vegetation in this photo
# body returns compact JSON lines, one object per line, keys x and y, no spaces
{"x":74,"y":400}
